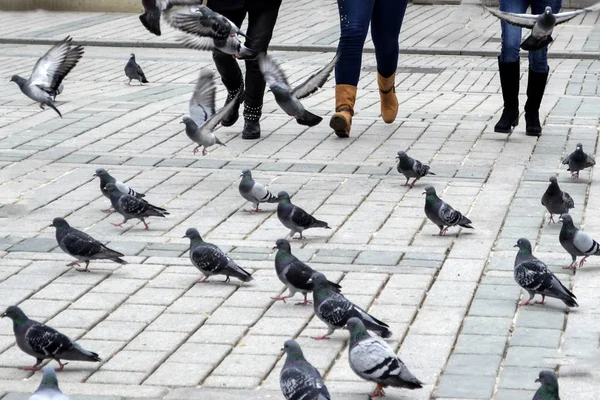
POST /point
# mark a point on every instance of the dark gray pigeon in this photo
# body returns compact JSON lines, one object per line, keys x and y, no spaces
{"x":298,"y":379}
{"x":153,"y":10}
{"x":555,"y":200}
{"x":254,"y":192}
{"x":411,"y":168}
{"x":289,"y":99}
{"x":441,"y":213}
{"x":82,"y":246}
{"x":372,"y":359}
{"x":294,"y":274}
{"x":211,"y":260}
{"x":578,"y":160}
{"x":294,"y":218}
{"x":549,"y":388}
{"x":535,"y":277}
{"x":576,"y":242}
{"x":106,"y":178}
{"x":48,"y":389}
{"x":42,"y":342}
{"x":132,"y":207}
{"x":134,"y":71}
{"x":49,"y":72}
{"x":335,"y":310}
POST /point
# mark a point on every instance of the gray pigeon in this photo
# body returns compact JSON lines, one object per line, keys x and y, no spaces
{"x":298,"y":379}
{"x":374,"y":360}
{"x":578,"y":160}
{"x":335,"y":310}
{"x":294,"y":218}
{"x":535,"y":277}
{"x":134,"y":71}
{"x":49,"y":72}
{"x":555,"y":200}
{"x":106,"y":178}
{"x":441,"y":213}
{"x":289,"y":99}
{"x":132,"y":207}
{"x":411,"y":168}
{"x":294,"y":274}
{"x":82,"y":246}
{"x":254,"y":192}
{"x":42,"y":342}
{"x":211,"y":260}
{"x":48,"y":389}
{"x":576,"y":242}
{"x":231,"y":45}
{"x":56,"y":92}
{"x":549,"y":388}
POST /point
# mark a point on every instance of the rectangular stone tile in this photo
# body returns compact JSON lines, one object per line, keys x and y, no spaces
{"x":179,"y":374}
{"x":135,"y":361}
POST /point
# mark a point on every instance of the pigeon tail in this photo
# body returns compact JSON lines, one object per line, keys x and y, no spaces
{"x":465,"y":223}
{"x":319,"y":224}
{"x":405,"y":380}
{"x":309,"y":119}
{"x":218,"y":141}
{"x":144,"y":80}
{"x":334,"y":286}
{"x":118,"y":260}
{"x":239,"y":273}
{"x":532,"y":43}
{"x":52,"y":106}
{"x":78,"y":353}
{"x":566,"y":296}
{"x":151,"y":22}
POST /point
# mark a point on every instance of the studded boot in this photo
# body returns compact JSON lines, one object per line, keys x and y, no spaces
{"x":233,"y":95}
{"x":251,"y":122}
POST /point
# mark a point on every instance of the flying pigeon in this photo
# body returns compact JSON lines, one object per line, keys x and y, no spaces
{"x":535,"y":277}
{"x":549,"y":388}
{"x":541,"y":25}
{"x":289,"y":99}
{"x":134,"y":71}
{"x":555,"y":200}
{"x":374,"y":360}
{"x":203,"y":119}
{"x":441,"y":213}
{"x":294,"y":274}
{"x":411,"y":168}
{"x":294,"y":218}
{"x":42,"y":342}
{"x":82,"y":246}
{"x":105,"y":178}
{"x":298,"y":379}
{"x":48,"y":389}
{"x":576,"y":242}
{"x":254,"y":192}
{"x":211,"y":260}
{"x":56,"y":92}
{"x":578,"y":160}
{"x":335,"y":310}
{"x":49,"y":72}
{"x":132,"y":207}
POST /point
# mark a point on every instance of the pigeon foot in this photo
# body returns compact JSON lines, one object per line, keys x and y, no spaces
{"x":60,"y":366}
{"x":107,"y":210}
{"x":146,"y":225}
{"x":322,"y":337}
{"x":378,"y":392}
{"x":120,"y":224}
{"x":35,"y":367}
{"x":406,"y":183}
{"x":443,"y":231}
{"x":570,"y":266}
{"x":227,"y":279}
{"x":195,"y":149}
{"x":42,"y":106}
{"x":73,"y":264}
{"x":524,"y":303}
{"x":543,"y":302}
{"x":281,"y":298}
{"x":204,"y":152}
{"x":303,"y":303}
{"x":412,"y":185}
{"x":551,"y":219}
{"x":583,"y":260}
{"x":204,"y":280}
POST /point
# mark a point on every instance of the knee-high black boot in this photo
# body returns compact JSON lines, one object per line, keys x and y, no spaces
{"x":231,"y":75}
{"x":536,"y":84}
{"x":509,"y":81}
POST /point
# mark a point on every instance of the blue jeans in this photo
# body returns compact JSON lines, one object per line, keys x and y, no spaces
{"x":511,"y":35}
{"x":385,"y":17}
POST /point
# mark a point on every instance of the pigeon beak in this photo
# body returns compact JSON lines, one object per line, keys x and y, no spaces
{"x":274,"y":247}
{"x":397,"y":159}
{"x":424,"y":192}
{"x":3,"y":315}
{"x":538,"y":380}
{"x":516,"y":245}
{"x":183,"y":237}
{"x":95,"y":175}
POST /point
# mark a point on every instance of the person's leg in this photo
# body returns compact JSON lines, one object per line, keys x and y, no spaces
{"x":355,"y":16}
{"x":385,"y":31}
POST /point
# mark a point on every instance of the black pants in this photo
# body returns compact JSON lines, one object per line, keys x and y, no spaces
{"x":261,"y":23}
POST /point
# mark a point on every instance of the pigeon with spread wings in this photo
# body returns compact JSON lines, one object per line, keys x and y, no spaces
{"x":153,"y":9}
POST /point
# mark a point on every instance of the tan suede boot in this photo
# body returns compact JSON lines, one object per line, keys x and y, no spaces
{"x":389,"y":101}
{"x":341,"y":121}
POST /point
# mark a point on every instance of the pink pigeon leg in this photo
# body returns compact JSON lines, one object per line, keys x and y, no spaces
{"x":280,"y":298}
{"x":60,"y":365}
{"x":305,"y":302}
{"x":203,"y":280}
{"x":378,"y":392}
{"x":322,"y":337}
{"x":196,"y":149}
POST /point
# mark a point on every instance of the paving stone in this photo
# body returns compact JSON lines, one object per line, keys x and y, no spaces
{"x":465,"y":387}
{"x":531,"y":337}
{"x":41,"y":245}
{"x":273,"y":166}
{"x":209,"y":164}
{"x":307,"y":167}
{"x":378,"y":258}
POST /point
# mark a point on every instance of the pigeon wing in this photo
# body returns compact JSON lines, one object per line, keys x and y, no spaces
{"x":202,"y":103}
{"x":567,"y":16}
{"x":420,"y":168}
{"x":81,"y":244}
{"x":335,"y":309}
{"x":568,"y":200}
{"x":584,"y":242}
{"x":260,"y":193}
{"x":216,"y":118}
{"x":47,"y":341}
{"x":522,"y":20}
{"x":532,"y":275}
{"x":51,"y":69}
{"x":590,"y":161}
{"x":132,"y":205}
{"x":373,"y":359}
{"x":566,"y":159}
{"x":301,"y":218}
{"x":271,"y":71}
{"x":449,"y":215}
{"x":298,"y":275}
{"x":197,"y":43}
{"x":209,"y":258}
{"x":315,"y":81}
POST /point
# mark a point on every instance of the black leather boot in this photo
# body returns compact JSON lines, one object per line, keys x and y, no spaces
{"x":536,"y":84}
{"x":251,"y":122}
{"x":236,"y":95}
{"x":509,"y":81}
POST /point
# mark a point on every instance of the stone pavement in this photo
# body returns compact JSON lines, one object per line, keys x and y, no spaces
{"x":450,"y":301}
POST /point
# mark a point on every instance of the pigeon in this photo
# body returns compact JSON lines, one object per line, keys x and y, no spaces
{"x":441,"y":213}
{"x":549,"y":388}
{"x":56,"y":92}
{"x":289,"y":99}
{"x":576,"y":242}
{"x":298,"y":379}
{"x":254,"y":192}
{"x":105,"y":178}
{"x":132,"y":207}
{"x":335,"y":310}
{"x":203,"y":119}
{"x":231,"y":45}
{"x":294,"y":218}
{"x":294,"y":274}
{"x":82,"y":246}
{"x":42,"y":342}
{"x":134,"y":71}
{"x":541,"y":25}
{"x":49,"y":72}
{"x":578,"y":160}
{"x":411,"y":168}
{"x":535,"y":277}
{"x":374,"y":360}
{"x":153,"y":10}
{"x":48,"y":389}
{"x":555,"y":200}
{"x":211,"y":260}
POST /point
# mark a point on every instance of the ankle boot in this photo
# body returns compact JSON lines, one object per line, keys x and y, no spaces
{"x":536,"y":84}
{"x":387,"y":94}
{"x":251,"y":122}
{"x":233,"y":95}
{"x":341,"y":121}
{"x":509,"y":80}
